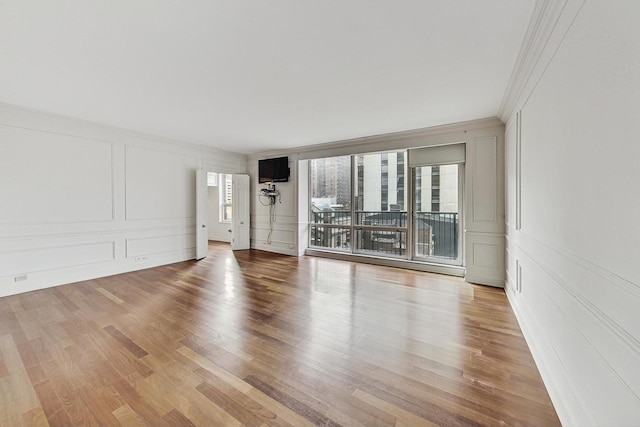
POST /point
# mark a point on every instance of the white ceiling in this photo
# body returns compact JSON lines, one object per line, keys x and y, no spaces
{"x":255,"y":75}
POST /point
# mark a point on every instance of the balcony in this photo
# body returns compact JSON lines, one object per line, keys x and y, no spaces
{"x":436,"y":235}
{"x":385,"y":233}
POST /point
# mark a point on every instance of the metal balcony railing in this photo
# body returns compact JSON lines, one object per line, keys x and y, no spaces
{"x":385,"y":232}
{"x":331,"y":217}
{"x":382,"y":218}
{"x":436,"y":234}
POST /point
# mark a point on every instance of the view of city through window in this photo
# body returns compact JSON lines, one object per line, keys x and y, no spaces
{"x":436,"y":211}
{"x":374,"y":219}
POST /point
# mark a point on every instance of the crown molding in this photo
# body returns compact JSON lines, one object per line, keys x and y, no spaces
{"x":409,"y":138}
{"x":550,"y":21}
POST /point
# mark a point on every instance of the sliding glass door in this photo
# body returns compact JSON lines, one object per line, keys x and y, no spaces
{"x":330,"y":209}
{"x":380,"y":215}
{"x":436,"y":219}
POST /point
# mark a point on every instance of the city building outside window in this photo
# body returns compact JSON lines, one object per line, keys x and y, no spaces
{"x":225,"y":191}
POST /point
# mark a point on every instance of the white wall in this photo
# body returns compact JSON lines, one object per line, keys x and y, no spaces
{"x":81,"y":201}
{"x":284,"y":234}
{"x":220,"y":231}
{"x":573,"y":228}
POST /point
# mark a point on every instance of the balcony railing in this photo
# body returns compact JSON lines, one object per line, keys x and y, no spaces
{"x":331,"y":217}
{"x":382,"y":218}
{"x":436,"y":234}
{"x":379,"y":218}
{"x":385,"y":232}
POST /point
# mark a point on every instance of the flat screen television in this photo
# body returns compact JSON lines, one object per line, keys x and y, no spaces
{"x":273,"y":170}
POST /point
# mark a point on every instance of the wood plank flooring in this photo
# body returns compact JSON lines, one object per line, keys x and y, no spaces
{"x":259,"y":339}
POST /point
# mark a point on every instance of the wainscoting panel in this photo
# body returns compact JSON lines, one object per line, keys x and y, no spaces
{"x":283,"y":236}
{"x":82,"y":200}
{"x":484,"y":177}
{"x":145,"y":246}
{"x":594,"y":339}
{"x":51,"y":258}
{"x":485,"y":258}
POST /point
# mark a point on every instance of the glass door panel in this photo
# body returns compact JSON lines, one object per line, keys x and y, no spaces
{"x":380,"y":214}
{"x":330,"y":209}
{"x":436,"y":219}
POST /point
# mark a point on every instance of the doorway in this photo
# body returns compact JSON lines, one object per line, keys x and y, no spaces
{"x":222,"y":210}
{"x":220,"y":206}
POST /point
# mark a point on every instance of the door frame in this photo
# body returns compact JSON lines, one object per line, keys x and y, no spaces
{"x":459,"y":261}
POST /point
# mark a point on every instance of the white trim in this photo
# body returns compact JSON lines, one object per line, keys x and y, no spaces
{"x":540,"y":350}
{"x":518,"y":200}
{"x":550,"y":22}
{"x":543,"y":21}
{"x":451,"y":133}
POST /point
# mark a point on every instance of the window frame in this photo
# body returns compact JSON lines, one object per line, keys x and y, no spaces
{"x":354,"y":228}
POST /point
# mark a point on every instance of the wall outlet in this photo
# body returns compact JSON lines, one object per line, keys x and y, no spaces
{"x":140,"y":258}
{"x":21,"y":278}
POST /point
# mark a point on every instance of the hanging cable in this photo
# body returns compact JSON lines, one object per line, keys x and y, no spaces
{"x":271,"y":194}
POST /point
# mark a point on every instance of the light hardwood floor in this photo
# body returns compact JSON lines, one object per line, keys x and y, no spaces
{"x":254,"y":338}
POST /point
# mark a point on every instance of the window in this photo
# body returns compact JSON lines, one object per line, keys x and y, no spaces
{"x":381,"y":218}
{"x":212,"y":179}
{"x":330,"y":204}
{"x":225,"y":191}
{"x":373,"y":220}
{"x":358,"y":204}
{"x":436,"y":224}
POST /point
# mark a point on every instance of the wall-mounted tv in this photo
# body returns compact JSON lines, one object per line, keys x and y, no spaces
{"x":273,"y":170}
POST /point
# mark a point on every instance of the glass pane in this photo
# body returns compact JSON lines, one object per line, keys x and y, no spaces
{"x":380,"y":242}
{"x":382,"y":218}
{"x":380,"y":198}
{"x":331,"y":217}
{"x":330,"y":188}
{"x":228,"y":188}
{"x":331,"y":237}
{"x":227,"y":209}
{"x":437,"y":214}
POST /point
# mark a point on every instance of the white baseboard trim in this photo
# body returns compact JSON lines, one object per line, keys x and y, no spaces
{"x":553,"y":379}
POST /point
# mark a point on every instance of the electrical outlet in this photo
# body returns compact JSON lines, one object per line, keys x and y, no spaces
{"x":140,"y":258}
{"x":21,"y":278}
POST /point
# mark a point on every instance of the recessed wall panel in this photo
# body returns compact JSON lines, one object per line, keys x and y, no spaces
{"x":56,"y":257}
{"x":485,"y":255}
{"x":159,"y":244}
{"x":485,"y":171}
{"x":50,"y":178}
{"x":159,"y":184}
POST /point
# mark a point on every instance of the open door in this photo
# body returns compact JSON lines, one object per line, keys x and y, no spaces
{"x":202,"y":233}
{"x":240,"y":216}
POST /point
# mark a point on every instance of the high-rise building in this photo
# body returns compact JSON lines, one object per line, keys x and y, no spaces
{"x":381,"y":181}
{"x":330,"y":179}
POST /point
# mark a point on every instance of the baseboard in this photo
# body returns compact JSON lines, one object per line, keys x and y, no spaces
{"x":63,"y":276}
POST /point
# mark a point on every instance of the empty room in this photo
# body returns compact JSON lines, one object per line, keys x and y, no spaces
{"x":319,"y":213}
